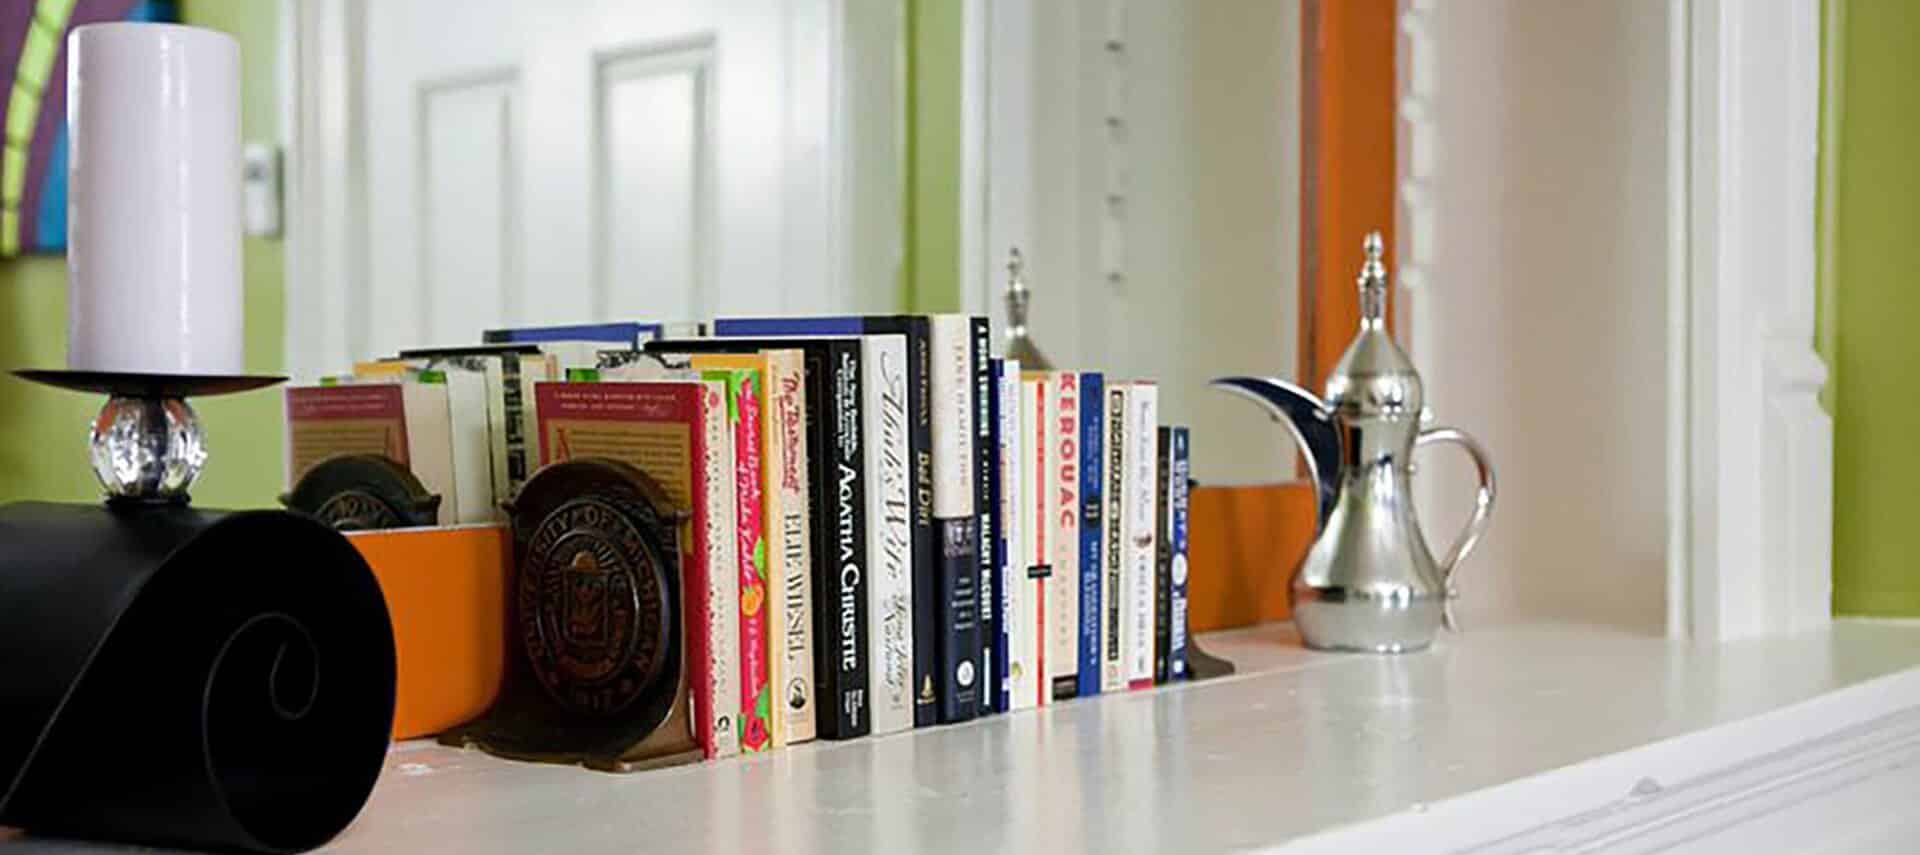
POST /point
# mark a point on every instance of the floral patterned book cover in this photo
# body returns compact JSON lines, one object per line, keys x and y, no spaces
{"x":743,"y":417}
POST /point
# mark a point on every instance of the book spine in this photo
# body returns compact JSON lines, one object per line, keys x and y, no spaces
{"x":1019,"y":577}
{"x":889,"y":534}
{"x":1012,"y":533}
{"x":789,"y":488}
{"x":956,"y":617}
{"x":1036,"y":688}
{"x":513,"y":395}
{"x":756,"y":704}
{"x":714,"y":539}
{"x":841,"y":620}
{"x":982,"y":456}
{"x":1142,"y":415}
{"x":1092,"y":535}
{"x":1163,"y":554}
{"x":1180,"y":475}
{"x":930,"y":682}
{"x":994,"y":548}
{"x":1113,"y":589}
{"x":1063,"y":521}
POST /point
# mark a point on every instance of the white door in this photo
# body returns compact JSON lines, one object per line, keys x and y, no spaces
{"x":465,"y":164}
{"x":1144,"y":157}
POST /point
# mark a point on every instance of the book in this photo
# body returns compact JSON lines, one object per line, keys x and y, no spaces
{"x":409,"y":422}
{"x":677,"y":433}
{"x":1162,"y":553}
{"x":1027,"y":610}
{"x":890,"y":640}
{"x":836,"y":506}
{"x":788,"y":533}
{"x":957,"y":616}
{"x":630,"y":334}
{"x":1113,"y":646}
{"x":915,"y":333}
{"x":1010,"y":555}
{"x":1170,"y":614}
{"x":986,"y":516}
{"x":743,"y":387}
{"x":509,"y":405}
{"x":1138,"y":542}
{"x":1093,"y":434}
{"x":1061,"y":588}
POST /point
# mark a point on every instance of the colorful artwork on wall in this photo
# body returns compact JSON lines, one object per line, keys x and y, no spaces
{"x":33,"y":81}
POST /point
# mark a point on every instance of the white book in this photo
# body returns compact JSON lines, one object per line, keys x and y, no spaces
{"x":1012,"y":527}
{"x":950,"y":338}
{"x":1026,"y":631}
{"x":1113,"y":492}
{"x":883,"y":360}
{"x":1140,"y":542}
{"x":471,"y":444}
{"x":1062,"y":586}
{"x":723,"y":570}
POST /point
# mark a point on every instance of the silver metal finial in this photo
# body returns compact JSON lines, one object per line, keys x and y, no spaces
{"x":1019,"y":340}
{"x":1373,"y":279}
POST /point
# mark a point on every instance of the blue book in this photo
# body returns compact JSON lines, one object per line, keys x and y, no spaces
{"x":1093,"y":432}
{"x":630,"y":333}
{"x":1179,"y":471}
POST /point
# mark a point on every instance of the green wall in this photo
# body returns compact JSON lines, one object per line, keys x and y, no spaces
{"x":1870,"y":301}
{"x":43,"y":453}
{"x":932,"y":270}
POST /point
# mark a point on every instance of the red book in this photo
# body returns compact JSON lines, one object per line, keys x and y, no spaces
{"x":743,"y":417}
{"x":676,"y":432}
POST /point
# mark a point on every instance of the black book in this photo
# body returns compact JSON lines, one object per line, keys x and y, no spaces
{"x":836,"y":507}
{"x":1163,"y":558}
{"x":931,"y":682}
{"x":986,"y":500}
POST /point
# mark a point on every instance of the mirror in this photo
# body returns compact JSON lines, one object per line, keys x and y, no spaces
{"x":1145,"y":159}
{"x":544,"y":163}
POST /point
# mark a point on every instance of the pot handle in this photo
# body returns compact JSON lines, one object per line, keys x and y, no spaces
{"x":1482,"y":507}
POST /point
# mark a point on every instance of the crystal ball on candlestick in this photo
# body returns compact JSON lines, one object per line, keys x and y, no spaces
{"x":147,"y":448}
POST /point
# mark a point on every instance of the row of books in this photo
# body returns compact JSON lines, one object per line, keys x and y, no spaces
{"x":887,"y":526}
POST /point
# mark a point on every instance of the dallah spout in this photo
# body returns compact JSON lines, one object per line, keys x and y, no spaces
{"x":1311,"y":423}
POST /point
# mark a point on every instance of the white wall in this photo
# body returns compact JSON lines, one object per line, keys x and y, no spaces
{"x":1535,"y":244}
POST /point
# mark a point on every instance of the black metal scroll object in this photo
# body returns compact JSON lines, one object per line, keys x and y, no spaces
{"x":188,"y":678}
{"x":596,"y":672}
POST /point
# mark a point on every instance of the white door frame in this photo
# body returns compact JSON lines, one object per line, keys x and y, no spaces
{"x":843,"y":224}
{"x":1758,"y":487}
{"x":1750,"y":450}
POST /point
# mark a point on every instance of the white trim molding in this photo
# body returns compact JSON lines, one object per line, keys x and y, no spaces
{"x":1758,"y":489}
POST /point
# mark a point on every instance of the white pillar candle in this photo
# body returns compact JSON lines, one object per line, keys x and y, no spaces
{"x":153,"y":212}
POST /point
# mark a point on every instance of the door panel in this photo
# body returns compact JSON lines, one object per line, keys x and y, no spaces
{"x":653,"y":143}
{"x":467,"y":219}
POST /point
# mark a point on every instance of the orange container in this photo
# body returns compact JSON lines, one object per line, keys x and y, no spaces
{"x":446,"y":589}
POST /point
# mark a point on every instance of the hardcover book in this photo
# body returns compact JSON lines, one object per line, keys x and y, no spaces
{"x":509,"y":404}
{"x":743,"y":421}
{"x":1170,"y":636}
{"x":957,"y":618}
{"x":631,"y":334}
{"x":1093,"y":434}
{"x":836,"y":505}
{"x":677,"y":433}
{"x":890,"y":642}
{"x":1028,"y":631}
{"x":928,"y":544}
{"x":1142,"y":529}
{"x":788,"y":533}
{"x":408,"y":422}
{"x":1011,"y":557}
{"x":1061,"y":590}
{"x":1113,"y":587}
{"x":469,"y":438}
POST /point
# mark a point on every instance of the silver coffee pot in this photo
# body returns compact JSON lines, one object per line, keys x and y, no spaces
{"x":1369,"y":582}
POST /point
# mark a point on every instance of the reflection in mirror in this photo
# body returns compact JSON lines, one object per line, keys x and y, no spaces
{"x":1146,"y":163}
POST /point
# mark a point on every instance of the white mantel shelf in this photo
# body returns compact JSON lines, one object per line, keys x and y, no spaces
{"x":1496,"y":740}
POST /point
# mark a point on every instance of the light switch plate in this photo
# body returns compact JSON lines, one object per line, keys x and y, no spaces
{"x":260,"y":189}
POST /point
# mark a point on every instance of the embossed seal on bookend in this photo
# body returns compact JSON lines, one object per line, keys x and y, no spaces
{"x":363,"y":492}
{"x":1368,"y":581}
{"x":596,"y":672}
